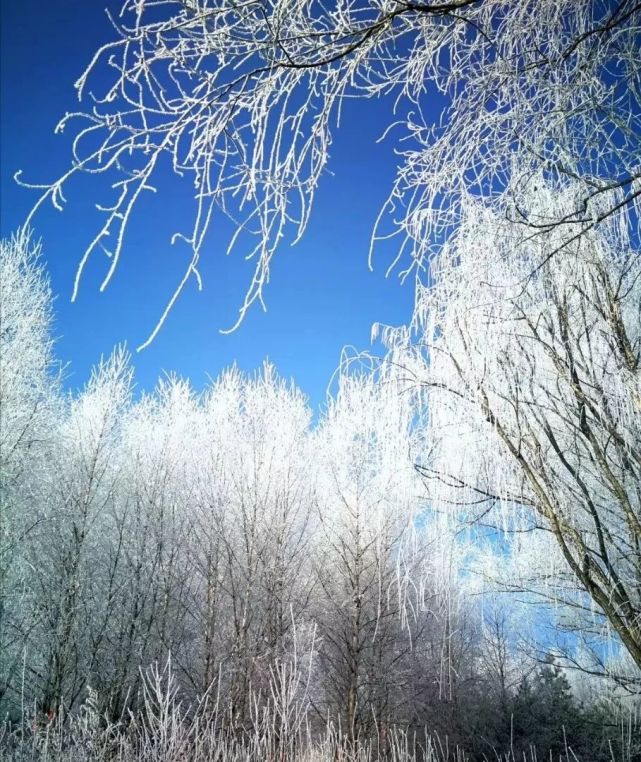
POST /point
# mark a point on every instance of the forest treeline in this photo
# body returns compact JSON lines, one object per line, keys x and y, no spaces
{"x":278,"y":564}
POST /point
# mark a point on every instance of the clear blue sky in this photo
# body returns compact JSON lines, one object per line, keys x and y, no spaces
{"x":321,"y":296}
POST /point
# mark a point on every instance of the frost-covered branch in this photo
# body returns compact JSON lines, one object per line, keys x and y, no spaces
{"x":242,"y":100}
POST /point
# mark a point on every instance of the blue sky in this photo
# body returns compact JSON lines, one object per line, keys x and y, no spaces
{"x":321,"y":296}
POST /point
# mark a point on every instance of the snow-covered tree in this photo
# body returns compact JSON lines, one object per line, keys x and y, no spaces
{"x":251,"y":517}
{"x":529,"y":366}
{"x":366,"y":491}
{"x":75,"y":496}
{"x":29,"y":405}
{"x":27,"y":380}
{"x":148,"y":600}
{"x":243,"y":100}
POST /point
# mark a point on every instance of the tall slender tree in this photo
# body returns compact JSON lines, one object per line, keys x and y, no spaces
{"x":30,"y":405}
{"x":529,"y":366}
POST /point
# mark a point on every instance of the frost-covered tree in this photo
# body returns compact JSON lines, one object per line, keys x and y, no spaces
{"x":29,"y":404}
{"x":243,"y":99}
{"x":149,"y":597}
{"x":75,"y":497}
{"x":252,"y":514}
{"x":26,"y":354}
{"x":529,"y":366}
{"x":366,"y":503}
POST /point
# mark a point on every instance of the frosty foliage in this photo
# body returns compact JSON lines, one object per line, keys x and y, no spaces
{"x":29,"y":408}
{"x":243,"y":99}
{"x":302,"y":587}
{"x":267,"y":556}
{"x":365,"y":496}
{"x":529,"y":367}
{"x":26,"y":353}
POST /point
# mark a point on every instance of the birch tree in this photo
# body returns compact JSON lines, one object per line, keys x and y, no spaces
{"x":148,"y":606}
{"x":74,"y":497}
{"x":366,"y":502}
{"x":29,"y":406}
{"x":252,"y":512}
{"x":529,"y":366}
{"x":243,"y":101}
{"x":27,"y":381}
